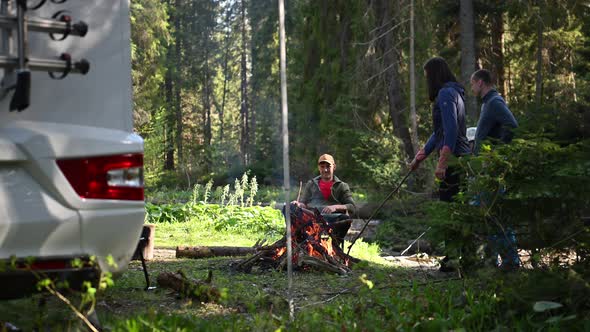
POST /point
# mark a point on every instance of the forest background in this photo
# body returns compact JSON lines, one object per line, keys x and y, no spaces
{"x":207,"y":103}
{"x":207,"y":97}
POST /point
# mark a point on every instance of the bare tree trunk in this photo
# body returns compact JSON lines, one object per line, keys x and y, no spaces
{"x":539,"y":78}
{"x":498,"y":52}
{"x":178,"y":83}
{"x":394,"y":97}
{"x":573,"y":79}
{"x":468,"y":63}
{"x":508,"y":81}
{"x":207,"y":106}
{"x":252,"y":127}
{"x":169,"y":126}
{"x":225,"y":76}
{"x":413,"y":116}
{"x":345,"y":33}
{"x":245,"y":130}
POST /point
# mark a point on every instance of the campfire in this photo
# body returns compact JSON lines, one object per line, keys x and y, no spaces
{"x":312,"y":242}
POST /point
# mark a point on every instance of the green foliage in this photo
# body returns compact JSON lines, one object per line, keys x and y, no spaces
{"x":549,"y":299}
{"x":235,"y":212}
{"x":79,"y":301}
{"x":167,"y":212}
{"x":377,"y":160}
{"x":535,"y":186}
{"x":150,"y":34}
{"x":396,"y":230}
{"x":245,"y":190}
{"x":219,"y":218}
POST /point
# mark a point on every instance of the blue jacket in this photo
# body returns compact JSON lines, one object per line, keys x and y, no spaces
{"x":448,"y":120}
{"x":495,"y":120}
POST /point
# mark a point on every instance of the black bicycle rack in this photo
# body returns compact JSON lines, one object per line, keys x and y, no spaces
{"x":17,"y":77}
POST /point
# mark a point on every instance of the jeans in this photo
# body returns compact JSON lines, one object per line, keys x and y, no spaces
{"x":504,"y":245}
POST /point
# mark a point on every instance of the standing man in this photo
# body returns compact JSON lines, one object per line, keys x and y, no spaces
{"x":329,"y":195}
{"x":496,"y":123}
{"x":495,"y":120}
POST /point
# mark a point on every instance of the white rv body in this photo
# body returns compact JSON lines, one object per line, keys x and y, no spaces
{"x":80,"y":116}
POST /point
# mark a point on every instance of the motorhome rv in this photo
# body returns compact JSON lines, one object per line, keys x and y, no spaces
{"x":71,"y":167}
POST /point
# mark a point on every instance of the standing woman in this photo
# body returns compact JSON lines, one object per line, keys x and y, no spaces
{"x":448,"y":121}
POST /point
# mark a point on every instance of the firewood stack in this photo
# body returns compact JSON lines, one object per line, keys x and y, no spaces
{"x":313,"y":246}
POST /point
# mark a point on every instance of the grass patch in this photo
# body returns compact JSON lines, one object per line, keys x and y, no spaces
{"x":376,"y":296}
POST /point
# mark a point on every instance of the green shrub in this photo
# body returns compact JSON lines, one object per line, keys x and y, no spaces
{"x":219,"y":218}
{"x":535,"y":186}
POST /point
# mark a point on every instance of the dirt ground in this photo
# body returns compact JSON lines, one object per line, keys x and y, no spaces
{"x":420,"y":262}
{"x":247,"y":292}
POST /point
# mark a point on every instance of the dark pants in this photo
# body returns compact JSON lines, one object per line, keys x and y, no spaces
{"x":340,"y":226}
{"x":449,"y":186}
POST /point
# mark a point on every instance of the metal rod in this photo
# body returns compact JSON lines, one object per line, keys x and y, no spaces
{"x":40,"y":25}
{"x":21,"y":9}
{"x":36,"y":64}
{"x":411,"y":244}
{"x":285,"y":134}
{"x":377,"y":210}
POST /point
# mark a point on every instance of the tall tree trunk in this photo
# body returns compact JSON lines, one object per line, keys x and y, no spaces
{"x":413,"y":116}
{"x":539,"y":77}
{"x":509,"y":81}
{"x":245,"y":130}
{"x":344,"y":35}
{"x":178,"y":82}
{"x":170,"y":118}
{"x":225,"y":76}
{"x":498,"y":51}
{"x":468,"y":63}
{"x":390,"y":58}
{"x":207,"y":106}
{"x":573,"y":79}
{"x":169,"y":127}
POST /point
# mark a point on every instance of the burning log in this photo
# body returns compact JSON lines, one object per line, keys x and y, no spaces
{"x":313,"y":245}
{"x":200,"y":290}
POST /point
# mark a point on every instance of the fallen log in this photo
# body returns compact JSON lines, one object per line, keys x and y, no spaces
{"x":322,"y":265}
{"x":200,"y":290}
{"x":205,"y":251}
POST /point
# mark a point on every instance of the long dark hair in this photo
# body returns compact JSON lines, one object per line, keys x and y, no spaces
{"x":437,"y":74}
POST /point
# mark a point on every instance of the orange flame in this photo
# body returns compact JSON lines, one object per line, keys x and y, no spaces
{"x":280,"y":252}
{"x":314,"y":234}
{"x":327,"y":244}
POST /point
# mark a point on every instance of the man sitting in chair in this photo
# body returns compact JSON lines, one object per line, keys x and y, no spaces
{"x":330,"y":196}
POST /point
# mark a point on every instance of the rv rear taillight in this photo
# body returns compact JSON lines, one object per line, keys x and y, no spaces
{"x":46,"y":265}
{"x":106,"y":177}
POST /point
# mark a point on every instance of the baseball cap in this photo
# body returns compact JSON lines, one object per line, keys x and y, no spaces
{"x":326,"y":158}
